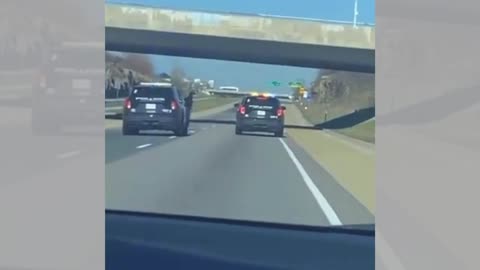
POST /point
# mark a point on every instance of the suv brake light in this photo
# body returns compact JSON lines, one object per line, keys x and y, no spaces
{"x":128,"y":103}
{"x":242,"y":109}
{"x":280,"y":112}
{"x":174,"y":105}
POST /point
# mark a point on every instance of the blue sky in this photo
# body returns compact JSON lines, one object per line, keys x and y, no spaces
{"x":247,"y":75}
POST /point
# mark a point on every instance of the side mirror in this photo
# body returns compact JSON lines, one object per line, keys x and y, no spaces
{"x":236,"y":105}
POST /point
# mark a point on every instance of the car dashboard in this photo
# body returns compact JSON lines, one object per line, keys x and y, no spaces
{"x":151,"y":241}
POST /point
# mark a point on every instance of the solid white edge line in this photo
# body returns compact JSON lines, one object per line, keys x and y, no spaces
{"x":321,"y":200}
{"x":143,"y":145}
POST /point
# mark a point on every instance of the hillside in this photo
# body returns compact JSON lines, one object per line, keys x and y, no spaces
{"x":124,"y":71}
{"x":121,"y":72}
{"x":337,"y":93}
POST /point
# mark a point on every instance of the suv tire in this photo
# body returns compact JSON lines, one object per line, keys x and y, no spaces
{"x":128,"y":131}
{"x":181,"y":130}
{"x":279,"y":133}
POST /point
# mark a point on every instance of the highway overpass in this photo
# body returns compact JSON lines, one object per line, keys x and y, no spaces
{"x":239,"y":37}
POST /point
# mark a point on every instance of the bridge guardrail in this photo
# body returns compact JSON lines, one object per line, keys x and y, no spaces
{"x":277,"y":28}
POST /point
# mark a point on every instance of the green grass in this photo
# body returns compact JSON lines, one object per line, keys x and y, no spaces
{"x":315,"y":113}
{"x":364,"y":131}
{"x":202,"y":105}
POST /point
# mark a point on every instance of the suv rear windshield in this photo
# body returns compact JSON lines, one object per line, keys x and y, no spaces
{"x":156,"y":93}
{"x":254,"y":103}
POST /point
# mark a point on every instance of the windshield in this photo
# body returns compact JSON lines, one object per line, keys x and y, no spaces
{"x":293,"y":144}
{"x":254,"y":103}
{"x":242,"y":157}
{"x":155,"y":93}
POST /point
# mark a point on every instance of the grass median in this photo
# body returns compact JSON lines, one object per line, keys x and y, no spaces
{"x":211,"y":102}
{"x":363,"y":131}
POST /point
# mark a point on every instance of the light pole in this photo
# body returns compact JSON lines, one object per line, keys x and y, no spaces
{"x":355,"y":14}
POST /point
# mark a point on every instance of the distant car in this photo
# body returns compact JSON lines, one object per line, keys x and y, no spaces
{"x":155,"y":106}
{"x":229,"y":88}
{"x":260,"y":114}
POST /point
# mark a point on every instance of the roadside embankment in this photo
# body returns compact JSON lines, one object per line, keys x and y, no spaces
{"x":350,"y":162}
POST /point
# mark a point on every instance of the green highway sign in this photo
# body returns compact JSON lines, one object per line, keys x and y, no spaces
{"x":292,"y":84}
{"x":276,"y":83}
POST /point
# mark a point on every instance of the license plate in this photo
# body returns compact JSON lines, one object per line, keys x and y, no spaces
{"x":149,"y":106}
{"x":261,"y":113}
{"x":81,"y":84}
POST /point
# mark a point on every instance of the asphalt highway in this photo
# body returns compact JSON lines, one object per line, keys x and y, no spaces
{"x":215,"y":173}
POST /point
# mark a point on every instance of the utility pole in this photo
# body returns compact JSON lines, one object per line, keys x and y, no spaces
{"x":355,"y":14}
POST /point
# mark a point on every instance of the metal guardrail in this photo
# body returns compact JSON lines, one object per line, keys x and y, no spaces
{"x":114,"y":106}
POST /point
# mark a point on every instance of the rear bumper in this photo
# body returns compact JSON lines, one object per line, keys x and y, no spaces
{"x":267,"y":125}
{"x":152,"y":121}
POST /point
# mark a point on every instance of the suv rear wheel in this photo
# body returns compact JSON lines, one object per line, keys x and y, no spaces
{"x":279,"y":133}
{"x":238,"y":131}
{"x":128,"y":131}
{"x":181,"y":130}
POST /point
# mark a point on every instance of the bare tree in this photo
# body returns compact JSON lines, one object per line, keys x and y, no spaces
{"x":140,"y":63}
{"x":178,"y":75}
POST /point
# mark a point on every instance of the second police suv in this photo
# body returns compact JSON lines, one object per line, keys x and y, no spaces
{"x":260,"y":113}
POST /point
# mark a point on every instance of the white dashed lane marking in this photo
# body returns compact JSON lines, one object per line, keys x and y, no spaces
{"x":143,"y":145}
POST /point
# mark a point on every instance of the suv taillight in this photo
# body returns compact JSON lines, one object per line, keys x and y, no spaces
{"x":128,"y":103}
{"x":174,"y":105}
{"x":242,"y":109}
{"x":280,"y":112}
